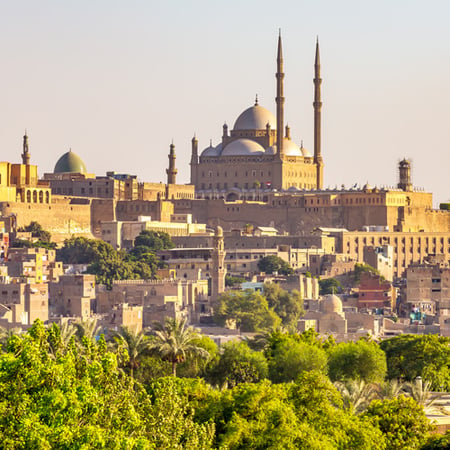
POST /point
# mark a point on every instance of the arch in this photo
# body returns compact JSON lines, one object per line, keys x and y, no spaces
{"x":41,"y":197}
{"x":47,"y":197}
{"x":34,"y":197}
{"x":232,"y":197}
{"x":28,"y":196}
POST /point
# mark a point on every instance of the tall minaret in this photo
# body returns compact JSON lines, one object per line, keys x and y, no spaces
{"x":194,"y":160}
{"x":26,"y":153}
{"x":280,"y":99}
{"x":171,"y":171}
{"x":218,"y":265}
{"x":317,"y":119}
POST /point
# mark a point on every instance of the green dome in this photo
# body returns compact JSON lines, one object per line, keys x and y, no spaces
{"x":70,"y":162}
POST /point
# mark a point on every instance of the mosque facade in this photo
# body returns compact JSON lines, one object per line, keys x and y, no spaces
{"x":258,"y":154}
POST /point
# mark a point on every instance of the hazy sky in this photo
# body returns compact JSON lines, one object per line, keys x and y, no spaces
{"x":118,"y":80}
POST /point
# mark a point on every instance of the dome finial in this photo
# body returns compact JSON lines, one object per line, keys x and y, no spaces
{"x":210,"y":142}
{"x":301,"y":143}
{"x":256,"y":100}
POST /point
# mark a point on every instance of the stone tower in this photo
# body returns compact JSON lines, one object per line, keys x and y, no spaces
{"x":404,"y":169}
{"x":171,"y":171}
{"x":318,"y":119}
{"x":218,"y":265}
{"x":26,"y":153}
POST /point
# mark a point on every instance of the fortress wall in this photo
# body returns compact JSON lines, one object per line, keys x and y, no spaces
{"x":61,"y":219}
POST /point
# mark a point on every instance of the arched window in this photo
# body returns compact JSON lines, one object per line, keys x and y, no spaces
{"x":34,"y":197}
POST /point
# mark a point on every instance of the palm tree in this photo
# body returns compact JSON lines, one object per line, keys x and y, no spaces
{"x":6,"y":333}
{"x":421,"y":392}
{"x":391,"y":389}
{"x":356,"y":394}
{"x":175,"y":342}
{"x":87,"y":328}
{"x":134,"y":342}
{"x":59,"y":337}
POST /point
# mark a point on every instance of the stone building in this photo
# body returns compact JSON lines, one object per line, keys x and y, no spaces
{"x":22,"y":303}
{"x":72,"y":295}
{"x":259,"y":153}
{"x":374,"y":293}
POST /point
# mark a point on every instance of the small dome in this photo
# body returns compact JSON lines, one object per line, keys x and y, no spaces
{"x":290,"y":149}
{"x":331,"y":304}
{"x":305,"y":152}
{"x":255,"y":118}
{"x":70,"y":162}
{"x":242,"y":147}
{"x":212,"y":151}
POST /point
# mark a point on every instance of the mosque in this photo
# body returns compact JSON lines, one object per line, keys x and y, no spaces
{"x":258,"y":153}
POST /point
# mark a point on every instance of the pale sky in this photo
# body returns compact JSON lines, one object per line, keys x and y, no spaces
{"x":118,"y":80}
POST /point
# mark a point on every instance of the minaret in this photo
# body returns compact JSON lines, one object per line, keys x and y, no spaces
{"x":171,"y":171}
{"x":317,"y":119}
{"x":218,"y":265}
{"x":26,"y":153}
{"x":280,"y":99}
{"x":194,"y":160}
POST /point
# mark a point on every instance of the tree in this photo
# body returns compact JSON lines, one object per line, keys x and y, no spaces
{"x":175,"y":341}
{"x":402,"y":421}
{"x":198,"y":365}
{"x":272,"y":263}
{"x":37,"y":231}
{"x":248,"y":309}
{"x":426,"y":356}
{"x":291,"y":357}
{"x":154,"y":240}
{"x":288,"y":306}
{"x":361,"y":360}
{"x":82,"y":400}
{"x":356,"y":394}
{"x":363,"y":268}
{"x":329,"y":286}
{"x":135,"y":343}
{"x":238,"y":364}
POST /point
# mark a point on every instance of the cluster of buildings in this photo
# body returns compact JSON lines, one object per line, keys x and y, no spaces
{"x":256,"y":193}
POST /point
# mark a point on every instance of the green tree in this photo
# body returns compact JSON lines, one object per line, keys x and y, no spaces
{"x":363,"y":268}
{"x":248,"y":309}
{"x":329,"y":286}
{"x":175,"y":342}
{"x":427,"y":356}
{"x":356,"y":394}
{"x":37,"y":231}
{"x":437,"y":442}
{"x":361,"y":360}
{"x":154,"y":240}
{"x":402,"y":421}
{"x":238,"y":364}
{"x":272,"y":263}
{"x":134,"y":343}
{"x":291,"y":357}
{"x":198,"y":365}
{"x":82,"y":400}
{"x":288,"y":306}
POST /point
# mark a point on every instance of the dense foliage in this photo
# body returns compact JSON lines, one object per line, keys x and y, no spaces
{"x":67,"y":387}
{"x":42,"y":238}
{"x":329,"y":286}
{"x":273,"y":263}
{"x":108,"y":264}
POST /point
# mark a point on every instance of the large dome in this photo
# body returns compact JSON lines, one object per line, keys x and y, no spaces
{"x":255,"y":118}
{"x":243,"y":147}
{"x":70,"y":162}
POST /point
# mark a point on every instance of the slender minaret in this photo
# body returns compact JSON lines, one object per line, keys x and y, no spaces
{"x":280,"y":99}
{"x":218,"y":265}
{"x":171,"y":171}
{"x":194,"y":160}
{"x":317,"y":119}
{"x":26,"y":153}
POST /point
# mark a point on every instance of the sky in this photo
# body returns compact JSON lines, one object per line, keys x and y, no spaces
{"x":117,"y":81}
